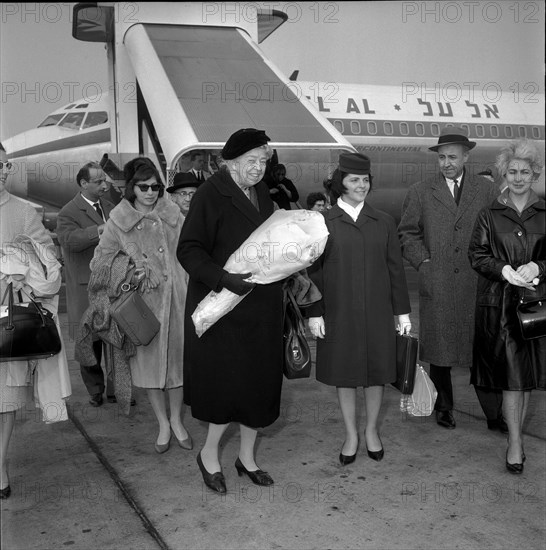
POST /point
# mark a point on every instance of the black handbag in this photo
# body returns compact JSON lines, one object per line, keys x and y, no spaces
{"x":406,"y":362}
{"x":28,"y":331}
{"x":532,"y":319}
{"x":133,"y":316}
{"x":297,"y":355}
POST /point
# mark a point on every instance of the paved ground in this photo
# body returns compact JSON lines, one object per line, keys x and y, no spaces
{"x":96,"y":481}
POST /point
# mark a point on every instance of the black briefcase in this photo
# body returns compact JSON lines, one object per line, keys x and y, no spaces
{"x":406,"y":362}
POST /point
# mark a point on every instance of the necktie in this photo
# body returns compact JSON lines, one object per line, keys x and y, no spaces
{"x":456,"y":191}
{"x":200,"y":176}
{"x":99,"y":210}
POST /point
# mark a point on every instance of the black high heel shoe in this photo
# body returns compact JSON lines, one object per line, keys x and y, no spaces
{"x":258,"y":477}
{"x":216,"y":481}
{"x":376,"y":455}
{"x":516,"y":467}
{"x":348,"y":459}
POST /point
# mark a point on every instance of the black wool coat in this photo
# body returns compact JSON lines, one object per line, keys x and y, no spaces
{"x":363,"y":283}
{"x":502,"y":358}
{"x":233,"y":373}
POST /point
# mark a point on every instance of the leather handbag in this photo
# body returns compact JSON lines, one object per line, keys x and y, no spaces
{"x":27,"y":330}
{"x":532,"y":318}
{"x":297,"y":355}
{"x":406,"y":362}
{"x":133,"y":316}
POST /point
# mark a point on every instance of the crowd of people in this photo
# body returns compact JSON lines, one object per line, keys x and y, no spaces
{"x":478,"y":253}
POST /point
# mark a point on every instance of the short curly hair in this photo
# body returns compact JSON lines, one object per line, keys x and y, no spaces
{"x":137,"y":170}
{"x":523,"y":149}
{"x":312,"y":198}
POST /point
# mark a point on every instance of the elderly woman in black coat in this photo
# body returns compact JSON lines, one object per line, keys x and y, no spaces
{"x":233,"y":373}
{"x":363,"y":283}
{"x":508,"y":250}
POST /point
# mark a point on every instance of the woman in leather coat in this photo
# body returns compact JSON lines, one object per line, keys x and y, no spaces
{"x":508,"y":250}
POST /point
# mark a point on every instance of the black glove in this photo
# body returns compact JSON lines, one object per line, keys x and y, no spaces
{"x":236,"y":283}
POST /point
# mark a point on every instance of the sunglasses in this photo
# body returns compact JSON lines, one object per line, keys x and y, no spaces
{"x":144,"y":188}
{"x":8,"y":165}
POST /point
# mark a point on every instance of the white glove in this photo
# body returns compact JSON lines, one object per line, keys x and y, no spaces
{"x":404,"y":324}
{"x":528,"y":272}
{"x":316,"y":326}
{"x":514,"y":278}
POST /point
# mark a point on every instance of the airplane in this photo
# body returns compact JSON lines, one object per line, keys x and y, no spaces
{"x":149,"y":110}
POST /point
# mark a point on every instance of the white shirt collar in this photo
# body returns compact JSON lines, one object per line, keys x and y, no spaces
{"x":352,"y":211}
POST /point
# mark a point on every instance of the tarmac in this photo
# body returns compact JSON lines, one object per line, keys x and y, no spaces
{"x":95,"y":481}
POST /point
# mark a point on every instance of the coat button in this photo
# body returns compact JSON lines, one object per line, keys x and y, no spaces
{"x":139,"y":226}
{"x":160,"y":249}
{"x":165,"y":277}
{"x":456,"y":270}
{"x":155,"y":223}
{"x":520,"y":233}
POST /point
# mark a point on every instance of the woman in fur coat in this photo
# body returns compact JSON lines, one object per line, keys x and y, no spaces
{"x":146,"y":226}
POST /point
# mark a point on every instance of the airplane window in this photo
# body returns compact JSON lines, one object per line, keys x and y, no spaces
{"x":340,"y":127}
{"x":522,"y":132}
{"x":372,"y":128}
{"x":82,"y":105}
{"x":465,"y":127}
{"x":536,"y":132}
{"x":388,"y":129}
{"x":51,"y":120}
{"x":355,"y":127}
{"x":435,"y":129}
{"x":72,"y":121}
{"x":69,"y":106}
{"x":95,"y":118}
{"x":494,"y":131}
{"x":404,"y":128}
{"x":508,"y":132}
{"x":480,"y":131}
{"x":419,"y":129}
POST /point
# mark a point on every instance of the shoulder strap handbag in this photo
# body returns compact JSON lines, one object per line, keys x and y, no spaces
{"x":27,"y":330}
{"x":297,"y":355}
{"x":532,"y":318}
{"x":133,"y":316}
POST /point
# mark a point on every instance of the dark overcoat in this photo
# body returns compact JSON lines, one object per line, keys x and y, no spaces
{"x":77,"y":231}
{"x":502,"y":358}
{"x":434,"y":227}
{"x":233,"y":373}
{"x":363,"y":283}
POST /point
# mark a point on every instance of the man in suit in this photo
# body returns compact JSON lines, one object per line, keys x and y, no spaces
{"x":197,"y":159}
{"x":183,"y":189}
{"x":80,"y":224}
{"x":438,"y":217}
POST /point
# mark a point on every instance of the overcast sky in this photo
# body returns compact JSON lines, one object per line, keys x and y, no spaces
{"x":386,"y":42}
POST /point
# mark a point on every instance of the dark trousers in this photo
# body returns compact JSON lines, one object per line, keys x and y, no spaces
{"x":93,"y":376}
{"x":441,"y":378}
{"x":490,"y":400}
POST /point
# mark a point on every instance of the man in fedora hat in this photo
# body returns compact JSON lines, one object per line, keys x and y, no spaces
{"x":438,"y":217}
{"x":182,"y":190}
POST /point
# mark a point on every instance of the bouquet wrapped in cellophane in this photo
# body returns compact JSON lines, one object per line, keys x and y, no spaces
{"x":287,"y":242}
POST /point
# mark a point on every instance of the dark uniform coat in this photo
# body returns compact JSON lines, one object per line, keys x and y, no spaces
{"x":434,"y":227}
{"x":233,"y":373}
{"x":362,"y":280}
{"x":502,"y":358}
{"x":77,"y":231}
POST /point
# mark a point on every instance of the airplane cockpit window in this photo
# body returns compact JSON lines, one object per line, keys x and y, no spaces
{"x":51,"y":120}
{"x":82,"y":106}
{"x":72,"y":121}
{"x":95,"y":118}
{"x":69,"y":106}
